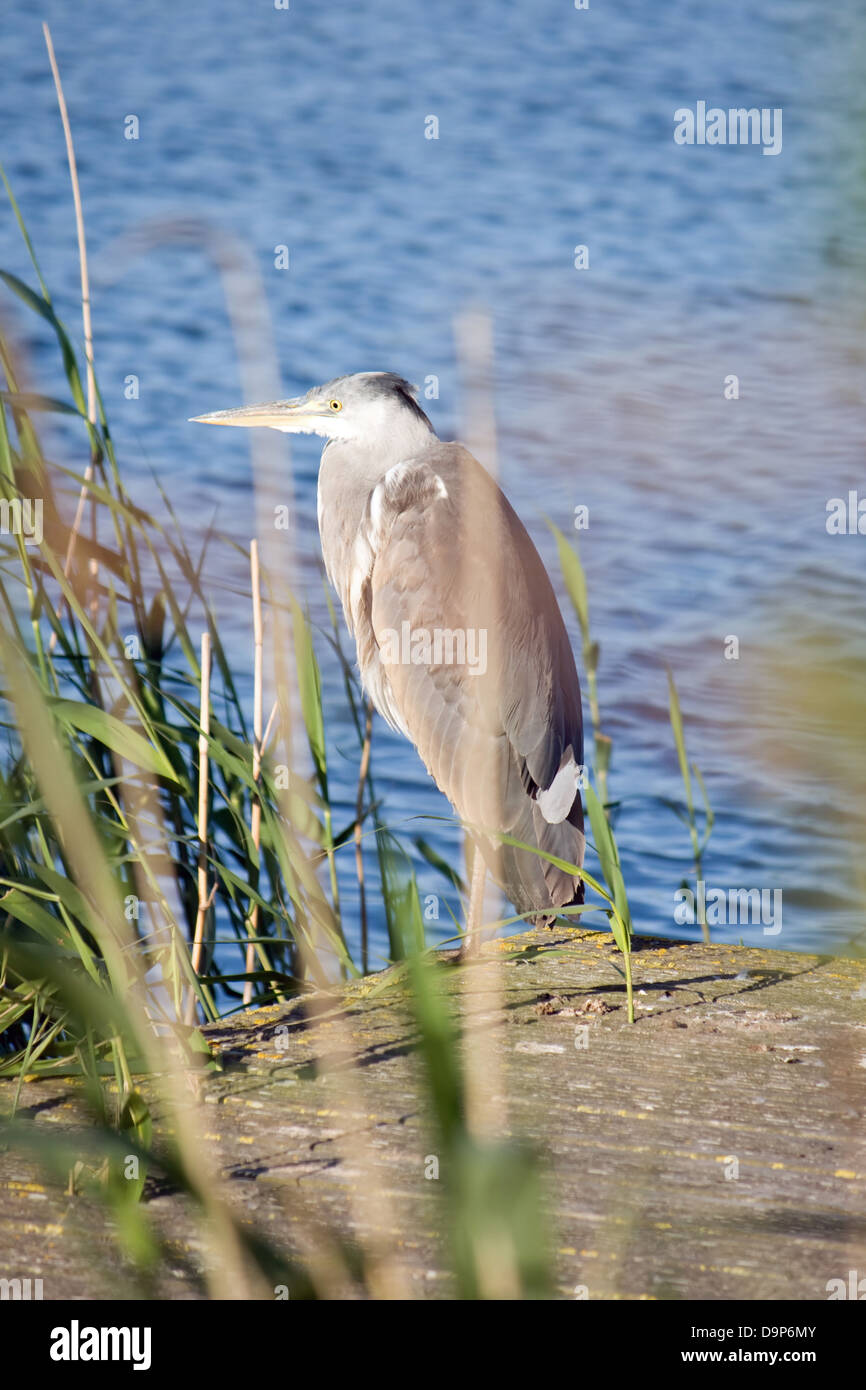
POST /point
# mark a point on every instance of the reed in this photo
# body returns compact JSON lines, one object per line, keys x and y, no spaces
{"x":689,"y":816}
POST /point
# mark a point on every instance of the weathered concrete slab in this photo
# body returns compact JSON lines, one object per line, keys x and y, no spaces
{"x":716,"y":1149}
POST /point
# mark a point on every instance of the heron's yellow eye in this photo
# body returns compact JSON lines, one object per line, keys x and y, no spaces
{"x":336,"y":405}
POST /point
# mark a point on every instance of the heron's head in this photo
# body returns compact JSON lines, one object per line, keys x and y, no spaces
{"x":368,"y":408}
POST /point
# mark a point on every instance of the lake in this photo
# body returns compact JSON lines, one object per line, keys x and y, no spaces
{"x":707,"y":503}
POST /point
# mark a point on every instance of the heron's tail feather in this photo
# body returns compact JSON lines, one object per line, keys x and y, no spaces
{"x":533,"y":884}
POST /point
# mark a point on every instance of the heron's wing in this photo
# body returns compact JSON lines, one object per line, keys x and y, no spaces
{"x":462,"y":646}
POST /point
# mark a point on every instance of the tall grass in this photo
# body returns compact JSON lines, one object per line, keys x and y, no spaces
{"x":576,"y":587}
{"x":598,"y":806}
{"x":689,"y":816}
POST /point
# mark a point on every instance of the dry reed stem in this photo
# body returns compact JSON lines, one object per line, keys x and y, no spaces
{"x":359,"y":858}
{"x":85,"y":310}
{"x":256,"y":813}
{"x":201,"y":819}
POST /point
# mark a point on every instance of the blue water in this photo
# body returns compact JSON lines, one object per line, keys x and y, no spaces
{"x":306,"y":128}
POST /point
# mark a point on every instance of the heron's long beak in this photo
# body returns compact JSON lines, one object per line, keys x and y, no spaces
{"x":293,"y":417}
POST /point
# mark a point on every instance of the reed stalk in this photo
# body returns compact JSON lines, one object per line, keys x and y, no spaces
{"x":256,"y":809}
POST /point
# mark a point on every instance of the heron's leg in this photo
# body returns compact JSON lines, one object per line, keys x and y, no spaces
{"x":475,"y":914}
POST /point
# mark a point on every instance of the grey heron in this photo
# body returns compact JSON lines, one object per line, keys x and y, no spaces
{"x":461,"y":645}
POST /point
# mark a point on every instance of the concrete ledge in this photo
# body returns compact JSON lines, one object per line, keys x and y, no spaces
{"x":714,"y":1150}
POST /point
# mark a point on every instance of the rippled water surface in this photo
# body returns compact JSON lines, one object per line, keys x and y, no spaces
{"x":305,"y":128}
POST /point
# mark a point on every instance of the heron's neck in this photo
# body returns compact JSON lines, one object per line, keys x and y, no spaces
{"x":348,"y":473}
{"x":359,"y":464}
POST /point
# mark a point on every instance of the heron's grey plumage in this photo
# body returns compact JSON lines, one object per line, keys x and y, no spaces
{"x":415,"y":532}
